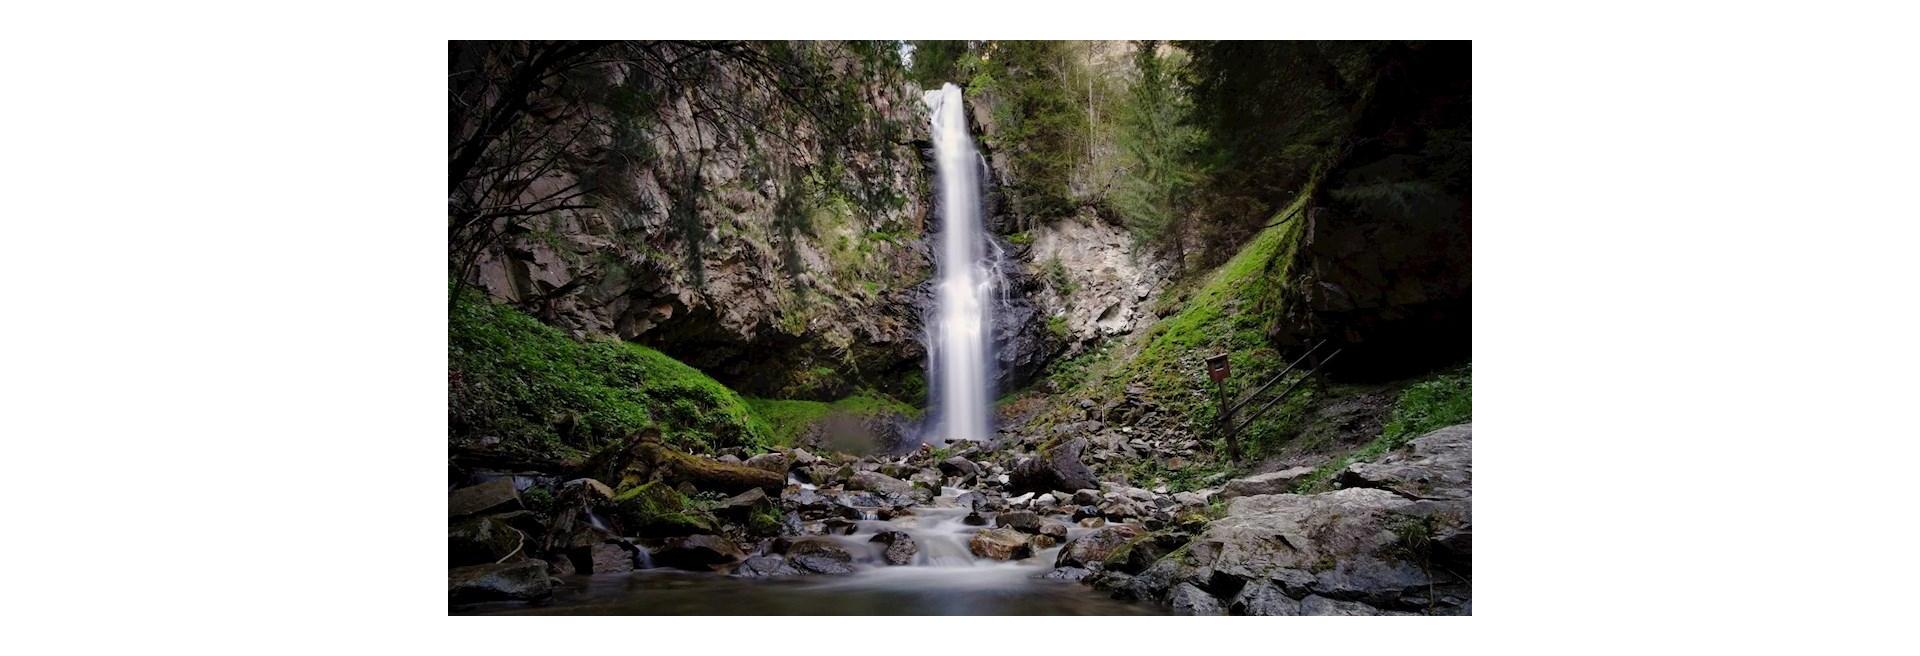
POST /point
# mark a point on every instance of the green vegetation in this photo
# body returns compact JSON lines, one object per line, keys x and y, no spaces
{"x":764,"y":520}
{"x":1039,"y":125}
{"x":656,"y":509}
{"x":1149,"y":472}
{"x":1232,"y":313}
{"x":788,"y":420}
{"x":1438,"y":402}
{"x":540,"y":391}
{"x":1057,"y":277}
{"x":1057,"y":326}
{"x":1161,"y":154}
{"x":1030,"y":89}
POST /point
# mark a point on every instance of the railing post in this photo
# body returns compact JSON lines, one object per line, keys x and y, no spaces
{"x":1218,"y":368}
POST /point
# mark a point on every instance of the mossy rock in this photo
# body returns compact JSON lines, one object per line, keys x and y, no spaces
{"x":657,"y":510}
{"x":1135,"y":556}
{"x":765,"y":521}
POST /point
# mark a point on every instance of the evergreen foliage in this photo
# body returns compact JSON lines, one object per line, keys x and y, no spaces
{"x":1038,"y":125}
{"x":1159,"y":147}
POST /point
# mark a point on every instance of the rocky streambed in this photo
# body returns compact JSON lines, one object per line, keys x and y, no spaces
{"x":975,"y":530}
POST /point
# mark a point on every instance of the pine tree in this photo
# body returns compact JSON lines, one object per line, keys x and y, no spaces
{"x":1159,"y":145}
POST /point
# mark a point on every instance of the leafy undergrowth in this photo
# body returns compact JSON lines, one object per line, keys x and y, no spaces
{"x":540,"y":391}
{"x":788,"y":420}
{"x":1437,"y":402}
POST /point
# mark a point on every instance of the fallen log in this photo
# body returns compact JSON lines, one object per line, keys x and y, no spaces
{"x":664,"y":463}
{"x":471,"y":457}
{"x":639,"y":458}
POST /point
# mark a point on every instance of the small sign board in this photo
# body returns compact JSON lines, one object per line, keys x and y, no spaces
{"x":1218,"y":368}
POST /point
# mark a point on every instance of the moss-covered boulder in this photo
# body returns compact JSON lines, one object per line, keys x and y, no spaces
{"x":657,"y":510}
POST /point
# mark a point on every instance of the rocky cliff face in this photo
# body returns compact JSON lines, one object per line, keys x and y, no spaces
{"x":769,"y":260}
{"x":790,"y":265}
{"x":1098,"y":286}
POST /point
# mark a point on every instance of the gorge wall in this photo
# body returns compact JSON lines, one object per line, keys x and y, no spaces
{"x":784,"y":254}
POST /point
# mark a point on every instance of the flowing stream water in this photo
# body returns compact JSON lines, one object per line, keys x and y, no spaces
{"x":944,"y":579}
{"x":960,"y":367}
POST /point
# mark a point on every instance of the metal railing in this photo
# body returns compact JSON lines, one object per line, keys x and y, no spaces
{"x":1226,"y":416}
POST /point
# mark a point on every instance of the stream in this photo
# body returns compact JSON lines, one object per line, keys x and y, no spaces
{"x":944,"y":579}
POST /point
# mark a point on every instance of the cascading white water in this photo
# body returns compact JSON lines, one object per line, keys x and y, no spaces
{"x":959,"y":334}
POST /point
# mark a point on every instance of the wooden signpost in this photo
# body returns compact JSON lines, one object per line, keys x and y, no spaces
{"x":1218,"y":368}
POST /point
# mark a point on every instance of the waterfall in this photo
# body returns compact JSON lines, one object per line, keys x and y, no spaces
{"x":959,"y":333}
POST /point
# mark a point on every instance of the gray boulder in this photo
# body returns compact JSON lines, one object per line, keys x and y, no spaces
{"x":775,"y":462}
{"x":1437,"y":465}
{"x":1265,"y":599}
{"x":1025,"y":521}
{"x":1280,"y":482}
{"x":764,"y":566}
{"x":900,"y":547}
{"x":1068,"y":574}
{"x":958,"y":466}
{"x":1058,"y":468}
{"x":497,"y":495}
{"x":878,"y":482}
{"x":1318,"y":605}
{"x":1189,"y":599}
{"x":520,"y":580}
{"x":1096,"y":545}
{"x":1340,"y":544}
{"x":820,"y":556}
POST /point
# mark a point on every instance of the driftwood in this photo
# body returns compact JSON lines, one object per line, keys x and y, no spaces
{"x":658,"y":462}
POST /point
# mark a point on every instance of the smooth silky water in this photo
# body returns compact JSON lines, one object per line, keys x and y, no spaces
{"x":960,"y":329}
{"x":945,"y":579}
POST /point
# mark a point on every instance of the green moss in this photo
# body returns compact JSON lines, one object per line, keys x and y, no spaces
{"x":1118,"y":557}
{"x":1057,"y":326}
{"x":537,"y":499}
{"x":1230,"y":312}
{"x":540,"y":391}
{"x":788,"y":419}
{"x":764,"y":521}
{"x":1021,"y":238}
{"x":656,"y":509}
{"x":1440,"y":401}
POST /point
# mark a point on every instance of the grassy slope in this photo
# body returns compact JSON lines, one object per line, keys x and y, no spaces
{"x":787,"y":419}
{"x":543,"y":392}
{"x":1230,"y":311}
{"x":1436,"y":401}
{"x":540,"y":391}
